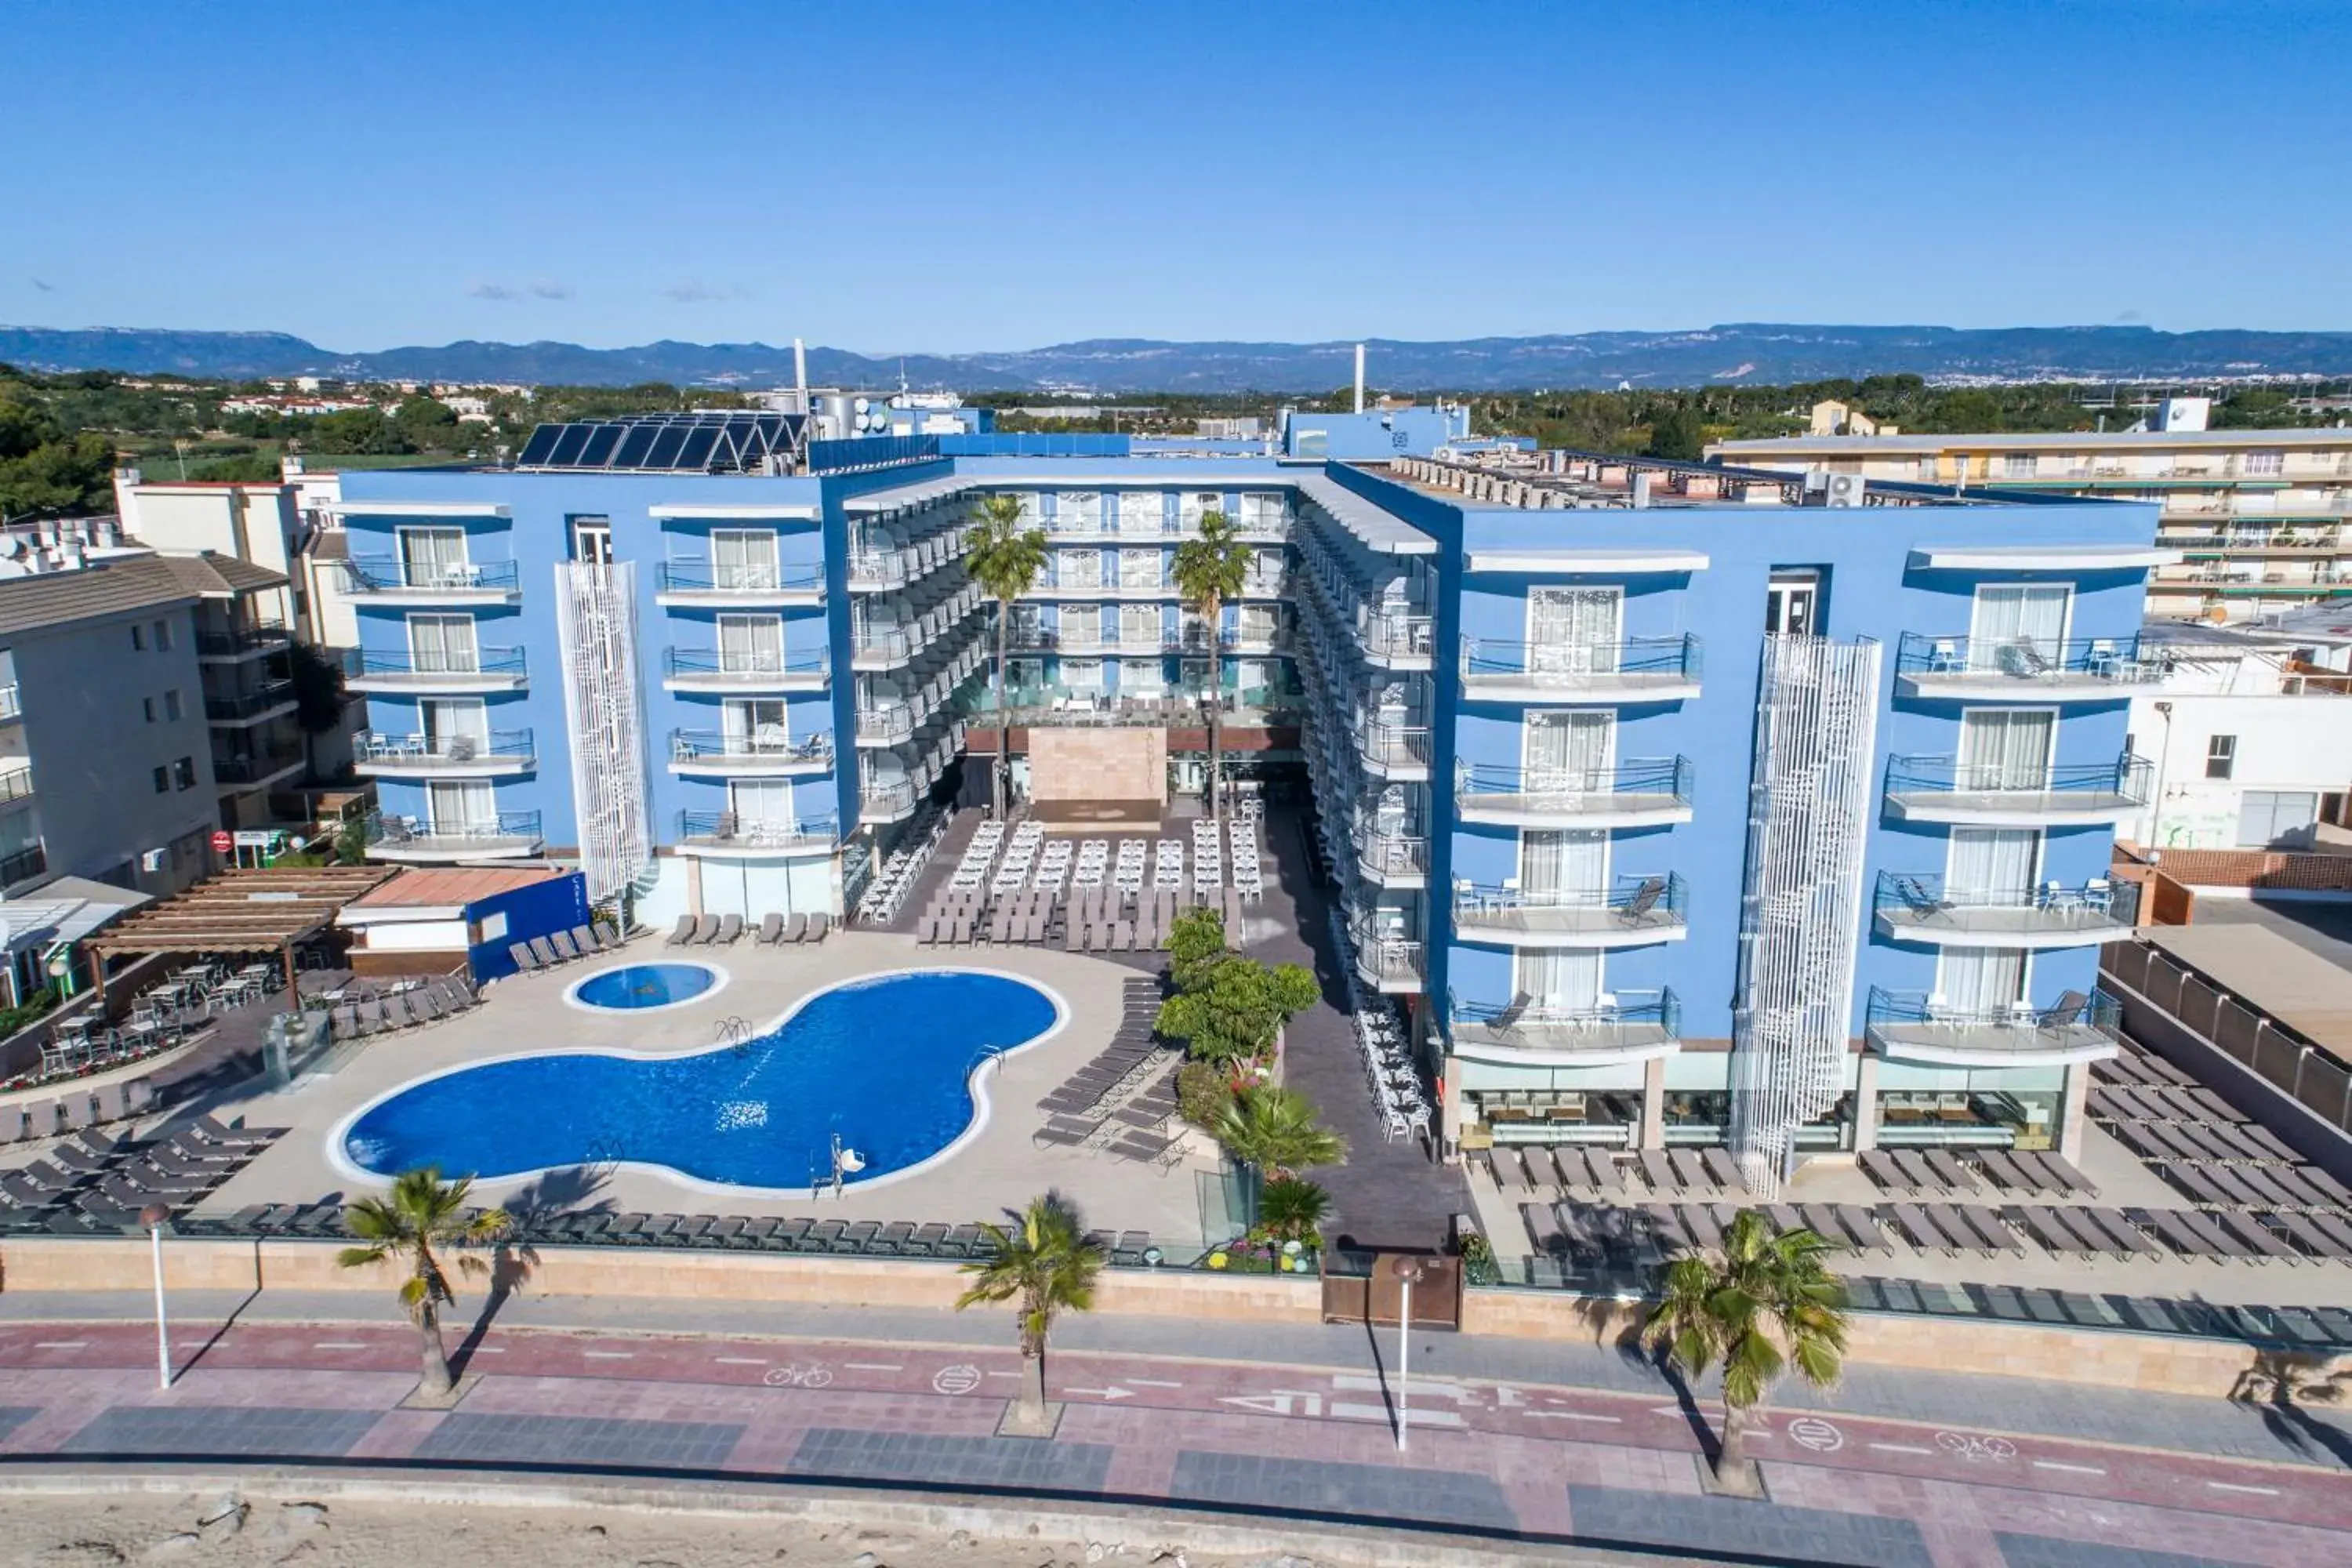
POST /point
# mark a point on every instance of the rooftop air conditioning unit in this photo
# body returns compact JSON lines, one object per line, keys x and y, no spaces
{"x":1842,"y":489}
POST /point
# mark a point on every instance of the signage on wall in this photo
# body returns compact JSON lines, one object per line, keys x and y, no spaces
{"x":223,"y":843}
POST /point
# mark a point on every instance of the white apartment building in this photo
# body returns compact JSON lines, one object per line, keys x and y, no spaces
{"x":2249,"y":730}
{"x":2260,"y":517}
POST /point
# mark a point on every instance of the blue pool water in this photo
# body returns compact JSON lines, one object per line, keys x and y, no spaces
{"x":640,"y":985}
{"x":885,"y":1063}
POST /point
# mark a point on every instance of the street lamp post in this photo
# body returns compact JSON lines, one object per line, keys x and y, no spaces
{"x":154,"y":1217}
{"x":1407,"y":1270}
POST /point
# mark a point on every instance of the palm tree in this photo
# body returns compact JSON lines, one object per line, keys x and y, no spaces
{"x":421,"y":1213}
{"x":1044,"y":1260}
{"x":1006,"y":560}
{"x":1292,"y":1208}
{"x":1278,"y":1131}
{"x":1763,"y":1302}
{"x":1209,"y":570}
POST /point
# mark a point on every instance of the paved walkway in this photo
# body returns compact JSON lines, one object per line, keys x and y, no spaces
{"x":1516,"y":1440}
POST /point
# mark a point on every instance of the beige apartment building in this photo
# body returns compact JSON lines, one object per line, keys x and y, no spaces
{"x":2260,"y":517}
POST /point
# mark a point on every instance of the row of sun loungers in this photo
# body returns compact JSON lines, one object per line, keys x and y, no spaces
{"x":724,"y":931}
{"x":94,"y":1181}
{"x":431,"y":1003}
{"x":1567,"y":1168}
{"x":564,"y":947}
{"x":73,"y":1109}
{"x":2139,"y":1067}
{"x":2208,"y":1150}
{"x":1087,"y":919}
{"x":1978,"y":1171}
{"x":2081,"y":1231}
{"x":1124,"y":1100}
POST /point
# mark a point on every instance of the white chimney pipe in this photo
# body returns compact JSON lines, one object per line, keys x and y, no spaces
{"x":1360,"y":378}
{"x":800,"y":373}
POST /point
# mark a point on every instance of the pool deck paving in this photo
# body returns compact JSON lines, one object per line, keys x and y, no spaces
{"x":1526,"y":1441}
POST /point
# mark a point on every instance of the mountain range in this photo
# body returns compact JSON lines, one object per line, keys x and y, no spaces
{"x":1762,"y":354}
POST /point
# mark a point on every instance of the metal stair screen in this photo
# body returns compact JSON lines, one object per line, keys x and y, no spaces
{"x":596,"y":617}
{"x":1808,"y":821}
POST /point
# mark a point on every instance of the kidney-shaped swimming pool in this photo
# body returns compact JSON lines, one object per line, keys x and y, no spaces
{"x":887,"y":1064}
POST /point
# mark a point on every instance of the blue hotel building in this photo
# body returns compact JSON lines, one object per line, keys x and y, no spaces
{"x":1674,"y":804}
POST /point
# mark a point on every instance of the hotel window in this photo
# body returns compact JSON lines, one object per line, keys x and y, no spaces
{"x":2221,"y":756}
{"x":2264,"y":463}
{"x":1082,"y":674}
{"x":184,"y":773}
{"x":742,"y":559}
{"x":147,"y":704}
{"x":163,"y":781}
{"x":2017,"y":465}
{"x":172,"y":709}
{"x":138,"y":640}
{"x":162,"y":637}
{"x":1927,"y":470}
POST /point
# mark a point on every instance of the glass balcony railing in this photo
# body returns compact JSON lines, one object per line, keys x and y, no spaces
{"x":1657,"y":786}
{"x":392,"y":574}
{"x":505,"y":828}
{"x":240,"y":641}
{"x":1927,"y":1028}
{"x":1394,"y":748}
{"x":424,"y":667}
{"x":1390,"y":855}
{"x":1391,"y":962}
{"x":16,"y":865}
{"x":1388,"y":637}
{"x":744,"y":578}
{"x":887,"y":797}
{"x":727,"y":829}
{"x":812,"y":752}
{"x":255,"y":766}
{"x":1664,"y":663}
{"x":12,"y":703}
{"x":2029,"y":663}
{"x":17,"y":784}
{"x":1626,"y":1021}
{"x":251,"y":704}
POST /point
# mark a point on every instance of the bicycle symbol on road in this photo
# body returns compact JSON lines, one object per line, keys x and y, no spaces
{"x":792,"y":1374}
{"x":1973,"y":1449}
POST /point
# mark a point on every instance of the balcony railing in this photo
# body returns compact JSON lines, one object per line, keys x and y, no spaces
{"x":501,"y":829}
{"x":1642,"y":1021}
{"x":1919,"y":1026}
{"x":1630,"y":909}
{"x":887,"y":797}
{"x":887,"y":725}
{"x":1931,"y":788}
{"x":1390,"y":962}
{"x":2026,"y":663}
{"x":255,"y":767}
{"x":17,"y":784}
{"x":1922,"y":907}
{"x":1392,"y":636}
{"x":754,"y":752}
{"x":12,"y":703}
{"x":242,"y":640}
{"x":367,"y":664}
{"x":510,"y":748}
{"x":1390,"y":855}
{"x":751,"y":669}
{"x":746,"y":578}
{"x":249,"y":704}
{"x":1666,"y":663}
{"x":18,"y":864}
{"x":727,"y":830}
{"x":392,"y":574}
{"x":1657,"y":787}
{"x":1395,"y":747}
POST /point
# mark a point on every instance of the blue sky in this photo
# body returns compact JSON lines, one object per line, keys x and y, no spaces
{"x":1004,"y":175}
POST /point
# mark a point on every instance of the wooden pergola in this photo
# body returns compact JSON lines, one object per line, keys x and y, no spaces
{"x":239,"y":911}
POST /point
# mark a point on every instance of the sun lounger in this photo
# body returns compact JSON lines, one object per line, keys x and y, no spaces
{"x":2298,"y":1186}
{"x":1723,"y":1168}
{"x":682,"y":934}
{"x":706,"y":930}
{"x":1544,"y":1230}
{"x":730,"y":930}
{"x":1655,"y":1170}
{"x":1912,"y":1223}
{"x":2313,"y":1239}
{"x":21,"y":1190}
{"x":2257,"y":1238}
{"x":819,"y":927}
{"x":1690,"y":1173}
{"x":772,"y":929}
{"x":526,"y":961}
{"x":891,"y":1240}
{"x":607,"y":936}
{"x":1954,"y":1175}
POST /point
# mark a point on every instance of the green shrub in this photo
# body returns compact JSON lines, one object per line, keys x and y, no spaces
{"x":1202,"y":1093}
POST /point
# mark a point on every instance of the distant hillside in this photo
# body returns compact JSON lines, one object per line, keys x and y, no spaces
{"x":1750,"y":353}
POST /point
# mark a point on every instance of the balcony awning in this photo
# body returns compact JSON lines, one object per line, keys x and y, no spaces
{"x":63,"y":910}
{"x":396,"y":507}
{"x":902,"y":497}
{"x":1379,"y":531}
{"x":1575,"y":562}
{"x":2040,"y":557}
{"x":801,"y":512}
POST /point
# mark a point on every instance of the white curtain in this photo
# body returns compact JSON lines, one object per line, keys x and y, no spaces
{"x":766,"y":801}
{"x":1139,"y":512}
{"x":1568,"y":982}
{"x":457,"y":718}
{"x":1574,"y":861}
{"x":2005,"y":748}
{"x":1568,"y":751}
{"x":751,"y":643}
{"x":431,"y":556}
{"x":2018,"y":615}
{"x":744,"y":558}
{"x":1573,"y":629}
{"x":1978,"y":979}
{"x":1992,"y":865}
{"x":443,"y":643}
{"x":755,"y":725}
{"x":457,"y":808}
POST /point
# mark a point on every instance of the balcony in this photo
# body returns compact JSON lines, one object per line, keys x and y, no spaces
{"x":690,"y":584}
{"x":1993,"y":794}
{"x":267,"y":702}
{"x":1392,"y":964}
{"x":241,"y":642}
{"x":1927,"y":910}
{"x":500,"y":753}
{"x":22,"y":865}
{"x":481,"y":671}
{"x":1643,"y":669}
{"x":1397,"y":752}
{"x":2005,"y":669}
{"x":12,"y":703}
{"x":1613,"y":1031}
{"x":886,"y":569}
{"x":1632,"y":911}
{"x":887,"y":800}
{"x":707,"y":669}
{"x":389,"y":581}
{"x":697,"y":753}
{"x":892,"y":724}
{"x":1392,"y":858}
{"x":723,"y":835}
{"x":508,"y":835}
{"x":1400,"y":643}
{"x":257,"y":769}
{"x":1910,"y":1027}
{"x":16,"y":784}
{"x":1643,"y":793}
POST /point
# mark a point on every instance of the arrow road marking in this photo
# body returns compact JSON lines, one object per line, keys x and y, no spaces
{"x":1277,"y":1402}
{"x":1418,"y":1389}
{"x":1104,"y":1394}
{"x":1153,"y":1382}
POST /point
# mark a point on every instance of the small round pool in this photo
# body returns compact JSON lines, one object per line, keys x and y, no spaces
{"x":888,"y":1066}
{"x":643,"y":988}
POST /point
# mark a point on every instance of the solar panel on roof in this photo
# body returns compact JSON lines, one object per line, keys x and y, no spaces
{"x":535,"y":450}
{"x":696,"y":453}
{"x":633,"y":446}
{"x":664,"y":450}
{"x":568,"y":445}
{"x":599,"y":449}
